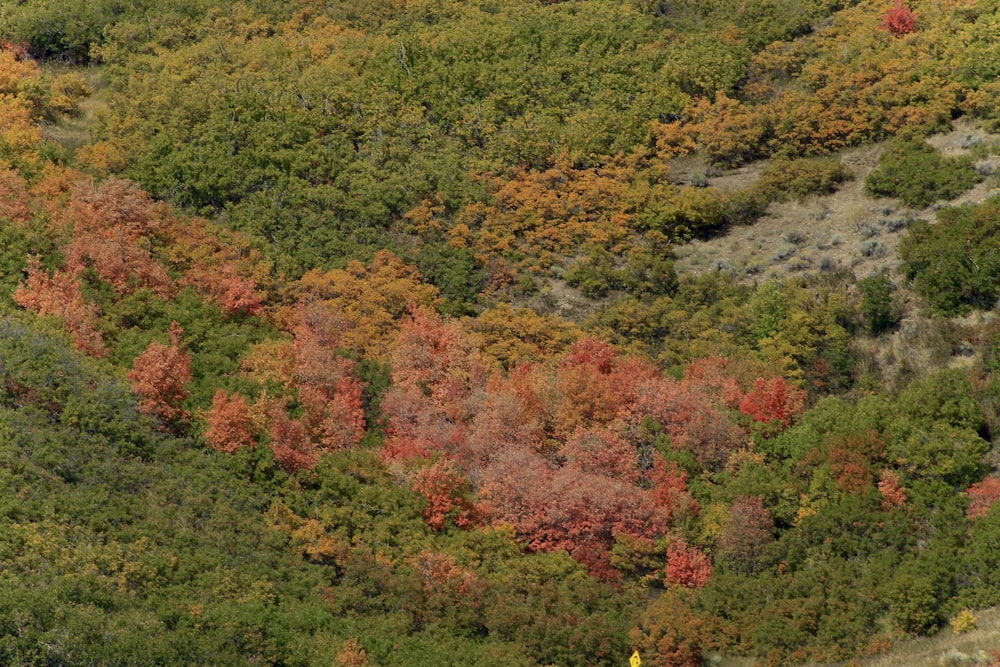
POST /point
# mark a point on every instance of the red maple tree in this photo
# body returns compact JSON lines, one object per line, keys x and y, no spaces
{"x":290,"y":442}
{"x":60,"y":294}
{"x":893,"y":493}
{"x":159,"y":377}
{"x":687,"y":566}
{"x":230,"y":425}
{"x":899,"y":19}
{"x":328,"y":388}
{"x":670,"y":492}
{"x":982,"y":495}
{"x":447,"y":492}
{"x":773,"y":400}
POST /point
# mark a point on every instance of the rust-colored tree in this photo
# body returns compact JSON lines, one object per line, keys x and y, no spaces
{"x":237,"y":295}
{"x":603,"y":452}
{"x":982,"y":496}
{"x":113,"y":226}
{"x":773,"y":400}
{"x":899,"y":19}
{"x":59,"y":294}
{"x":14,"y":199}
{"x":688,"y":416}
{"x":748,"y":528}
{"x":670,"y":492}
{"x":595,"y":384}
{"x":893,"y":493}
{"x":328,"y":387}
{"x":230,"y":424}
{"x":715,"y":377}
{"x":448,"y":495}
{"x":687,"y":566}
{"x":290,"y":442}
{"x":567,"y":509}
{"x":516,"y":413}
{"x":160,"y":375}
{"x":438,"y":383}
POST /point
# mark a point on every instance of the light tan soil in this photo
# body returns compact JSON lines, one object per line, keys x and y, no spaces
{"x":845,"y":230}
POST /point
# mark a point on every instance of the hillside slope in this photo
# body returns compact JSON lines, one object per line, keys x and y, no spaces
{"x":505,"y":332}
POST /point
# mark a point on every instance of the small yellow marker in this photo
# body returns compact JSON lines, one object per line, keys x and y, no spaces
{"x":635,"y":660}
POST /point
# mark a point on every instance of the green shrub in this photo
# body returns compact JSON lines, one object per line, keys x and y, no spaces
{"x":955,"y":264}
{"x":596,"y":275}
{"x":913,"y":171}
{"x":798,"y":178}
{"x":877,"y":304}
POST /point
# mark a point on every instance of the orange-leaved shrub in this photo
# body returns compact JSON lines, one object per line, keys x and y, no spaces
{"x":160,"y":375}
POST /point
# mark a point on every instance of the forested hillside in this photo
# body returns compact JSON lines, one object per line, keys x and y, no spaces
{"x":353,"y":333}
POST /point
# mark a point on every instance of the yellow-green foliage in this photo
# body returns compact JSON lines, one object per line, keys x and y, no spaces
{"x":962,"y":622}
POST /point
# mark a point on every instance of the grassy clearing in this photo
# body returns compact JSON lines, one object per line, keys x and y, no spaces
{"x":945,"y":649}
{"x":72,"y":131}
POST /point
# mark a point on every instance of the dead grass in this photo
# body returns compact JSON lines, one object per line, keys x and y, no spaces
{"x":74,"y":131}
{"x":845,"y":230}
{"x":945,"y":649}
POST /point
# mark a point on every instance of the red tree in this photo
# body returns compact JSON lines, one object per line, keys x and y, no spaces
{"x":899,"y":19}
{"x":329,"y":390}
{"x":893,"y":493}
{"x":438,"y":386}
{"x":159,"y":377}
{"x":233,"y":293}
{"x":689,"y":418}
{"x":567,"y":508}
{"x":15,"y":204}
{"x":594,"y":385}
{"x":773,"y":400}
{"x":516,"y":413}
{"x":982,"y":495}
{"x":687,"y":566}
{"x":119,"y":260}
{"x":59,"y":294}
{"x":230,"y":425}
{"x":415,"y":429}
{"x":112,"y":228}
{"x":447,"y":492}
{"x":290,"y":442}
{"x":601,"y":451}
{"x":670,"y":492}
{"x":713,"y":376}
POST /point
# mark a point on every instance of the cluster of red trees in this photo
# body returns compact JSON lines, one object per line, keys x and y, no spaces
{"x":564,"y":450}
{"x":114,"y":232}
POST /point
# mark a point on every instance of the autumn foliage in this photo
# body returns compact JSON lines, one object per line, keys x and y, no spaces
{"x":59,"y":294}
{"x":159,"y":377}
{"x":687,"y":566}
{"x":773,"y":399}
{"x":893,"y":493}
{"x":982,"y":496}
{"x":112,"y":227}
{"x":476,"y":473}
{"x":899,"y":19}
{"x":230,"y":423}
{"x":748,"y":528}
